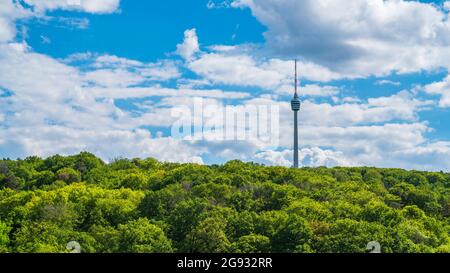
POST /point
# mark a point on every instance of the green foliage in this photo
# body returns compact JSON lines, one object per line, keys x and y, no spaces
{"x":252,"y":243}
{"x":4,"y":237}
{"x":42,"y":237}
{"x":68,"y":175}
{"x":208,"y":237}
{"x":140,"y":236}
{"x":350,"y":236}
{"x":142,"y":205}
{"x":293,"y":235}
{"x":137,"y":181}
{"x":184,"y":217}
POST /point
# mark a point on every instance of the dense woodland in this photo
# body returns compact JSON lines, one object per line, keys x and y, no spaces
{"x":142,"y":205}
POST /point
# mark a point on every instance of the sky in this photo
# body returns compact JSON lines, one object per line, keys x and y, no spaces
{"x":105,"y":75}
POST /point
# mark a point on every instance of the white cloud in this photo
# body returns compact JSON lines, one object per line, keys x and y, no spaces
{"x":311,"y":157}
{"x":362,"y":37}
{"x":275,"y":158}
{"x":441,"y":88}
{"x":218,"y":4}
{"x":447,"y":5}
{"x":90,"y":6}
{"x":235,"y":70}
{"x":48,"y":103}
{"x":115,"y":72}
{"x":161,"y":71}
{"x":43,"y":99}
{"x":244,"y":70}
{"x":348,"y":132}
{"x":32,"y":74}
{"x":430,"y":156}
{"x":312,"y":90}
{"x":338,"y":100}
{"x":419,"y":156}
{"x":368,"y":145}
{"x":12,"y":10}
{"x":71,"y":23}
{"x":113,"y":78}
{"x":239,"y":66}
{"x":387,"y":82}
{"x":155,"y":91}
{"x":105,"y":61}
{"x":401,"y":106}
{"x":108,"y":144}
{"x":7,"y":30}
{"x":190,"y":45}
{"x":9,"y":12}
{"x":306,"y":70}
{"x":74,"y":100}
{"x":338,"y":137}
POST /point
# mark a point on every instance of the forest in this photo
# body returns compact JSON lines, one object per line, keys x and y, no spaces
{"x":146,"y":206}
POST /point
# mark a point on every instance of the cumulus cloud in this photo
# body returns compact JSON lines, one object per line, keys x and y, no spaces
{"x":366,"y":146}
{"x":49,"y":101}
{"x":91,"y":6}
{"x":310,"y":157}
{"x":348,"y":135}
{"x":313,"y":90}
{"x":446,"y":5}
{"x":155,"y":91}
{"x":363,"y":37}
{"x":115,"y":72}
{"x":113,"y":78}
{"x":47,"y":104}
{"x":387,"y":82}
{"x":7,"y":30}
{"x":102,"y":68}
{"x":9,"y":12}
{"x":359,"y":133}
{"x":239,"y":68}
{"x":401,"y":106}
{"x":190,"y":45}
{"x":430,"y":156}
{"x":65,"y":106}
{"x":442,"y":89}
{"x":13,"y":10}
{"x":108,"y":144}
{"x":44,"y":101}
{"x":235,"y":70}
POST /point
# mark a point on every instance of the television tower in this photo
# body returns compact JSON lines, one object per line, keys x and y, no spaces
{"x":295,"y":105}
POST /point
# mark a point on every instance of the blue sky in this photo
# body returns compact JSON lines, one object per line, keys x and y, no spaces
{"x":103,"y":76}
{"x":147,"y":31}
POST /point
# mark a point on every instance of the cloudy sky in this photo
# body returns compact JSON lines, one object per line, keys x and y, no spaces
{"x":103,"y":75}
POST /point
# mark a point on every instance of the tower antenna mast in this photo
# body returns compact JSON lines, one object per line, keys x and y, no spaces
{"x":295,"y":76}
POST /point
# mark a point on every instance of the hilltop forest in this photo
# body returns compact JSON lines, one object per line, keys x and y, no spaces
{"x":142,"y":205}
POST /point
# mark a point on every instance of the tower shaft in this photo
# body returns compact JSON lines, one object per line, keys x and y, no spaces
{"x":296,"y":139}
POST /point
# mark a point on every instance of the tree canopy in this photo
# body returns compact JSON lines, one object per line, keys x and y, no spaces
{"x":142,"y":205}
